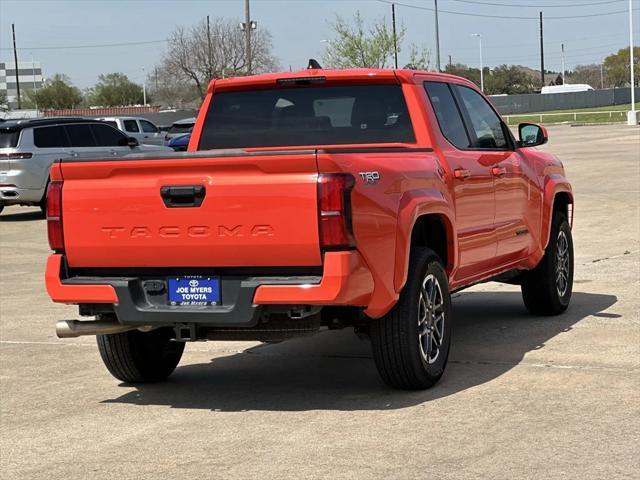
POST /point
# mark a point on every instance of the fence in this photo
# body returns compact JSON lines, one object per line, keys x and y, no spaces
{"x":576,"y":117}
{"x":535,"y":102}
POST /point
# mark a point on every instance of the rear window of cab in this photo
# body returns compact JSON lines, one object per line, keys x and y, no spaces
{"x":317,"y":115}
{"x":9,"y":138}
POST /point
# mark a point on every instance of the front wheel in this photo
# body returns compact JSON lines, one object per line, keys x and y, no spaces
{"x":411,"y":342}
{"x":546,"y":290}
{"x":137,"y":357}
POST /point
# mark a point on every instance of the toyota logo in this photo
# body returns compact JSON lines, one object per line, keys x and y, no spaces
{"x":193,"y":283}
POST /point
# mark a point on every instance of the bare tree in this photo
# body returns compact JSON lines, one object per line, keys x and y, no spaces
{"x":197,"y":54}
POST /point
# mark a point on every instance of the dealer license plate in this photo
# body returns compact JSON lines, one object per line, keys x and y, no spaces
{"x":194,"y":290}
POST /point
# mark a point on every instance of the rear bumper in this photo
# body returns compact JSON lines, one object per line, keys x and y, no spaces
{"x":18,"y":196}
{"x":345,"y":281}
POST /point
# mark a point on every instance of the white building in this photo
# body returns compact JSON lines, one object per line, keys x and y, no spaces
{"x":29,"y":76}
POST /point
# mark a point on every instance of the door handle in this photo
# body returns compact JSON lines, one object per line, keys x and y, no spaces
{"x":461,"y":173}
{"x":73,"y":153}
{"x":499,"y":171}
{"x":182,"y":195}
{"x":113,"y":152}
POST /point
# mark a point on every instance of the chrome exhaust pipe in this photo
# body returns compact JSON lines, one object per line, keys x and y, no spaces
{"x":77,"y":328}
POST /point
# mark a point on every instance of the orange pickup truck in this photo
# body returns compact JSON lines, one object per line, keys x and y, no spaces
{"x":322,"y":198}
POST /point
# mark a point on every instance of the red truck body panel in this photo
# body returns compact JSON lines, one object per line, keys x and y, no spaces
{"x":261,"y":211}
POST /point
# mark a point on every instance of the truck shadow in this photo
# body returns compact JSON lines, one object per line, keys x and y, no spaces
{"x":22,"y":216}
{"x":334,"y":370}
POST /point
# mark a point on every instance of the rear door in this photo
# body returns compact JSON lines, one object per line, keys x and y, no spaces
{"x":82,"y":143}
{"x":473,"y":183}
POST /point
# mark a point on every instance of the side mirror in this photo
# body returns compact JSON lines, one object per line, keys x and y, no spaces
{"x":132,"y":142}
{"x":532,"y":135}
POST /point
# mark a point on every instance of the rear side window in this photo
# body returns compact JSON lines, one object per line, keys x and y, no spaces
{"x":9,"y":138}
{"x":181,"y":128}
{"x":447,"y":113}
{"x":131,"y":126}
{"x":148,"y":127}
{"x":112,"y":123}
{"x":50,"y":137}
{"x":80,"y":135}
{"x":315,"y":115}
{"x":108,"y":137}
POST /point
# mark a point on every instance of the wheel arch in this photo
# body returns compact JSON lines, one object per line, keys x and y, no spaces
{"x":558,"y":197}
{"x":425,"y":221}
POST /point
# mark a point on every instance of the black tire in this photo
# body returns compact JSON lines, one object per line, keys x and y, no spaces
{"x":543,"y":290}
{"x":137,"y":357}
{"x":401,"y":354}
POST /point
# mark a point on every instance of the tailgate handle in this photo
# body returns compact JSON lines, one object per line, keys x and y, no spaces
{"x":182,"y":195}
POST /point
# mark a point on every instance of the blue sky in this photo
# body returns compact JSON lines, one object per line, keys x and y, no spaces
{"x":298,"y":26}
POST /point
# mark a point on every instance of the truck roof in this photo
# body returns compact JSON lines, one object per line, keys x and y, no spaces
{"x":333,"y":75}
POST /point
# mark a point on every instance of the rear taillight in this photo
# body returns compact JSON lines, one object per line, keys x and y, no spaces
{"x":54,"y":217}
{"x":16,"y":156}
{"x":334,"y":211}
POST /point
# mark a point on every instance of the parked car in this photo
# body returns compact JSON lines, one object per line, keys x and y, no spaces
{"x":180,"y":144}
{"x":335,"y":198}
{"x":179,"y":128}
{"x":29,"y":147}
{"x":139,"y":128}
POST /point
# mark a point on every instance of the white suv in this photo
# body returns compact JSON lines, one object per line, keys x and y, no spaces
{"x":29,"y":147}
{"x":139,"y":128}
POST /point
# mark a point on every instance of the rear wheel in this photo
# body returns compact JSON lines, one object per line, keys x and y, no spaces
{"x":546,"y":290}
{"x":411,"y":342}
{"x":137,"y":357}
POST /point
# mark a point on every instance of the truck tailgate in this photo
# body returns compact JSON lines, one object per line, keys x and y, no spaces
{"x":258,"y":209}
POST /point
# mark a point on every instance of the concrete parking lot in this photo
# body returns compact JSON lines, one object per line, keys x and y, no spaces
{"x":523,"y":397}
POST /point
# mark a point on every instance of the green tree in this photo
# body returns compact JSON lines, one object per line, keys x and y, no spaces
{"x":116,"y":90}
{"x":4,"y":103}
{"x":57,"y":93}
{"x":509,"y":79}
{"x":617,"y":69}
{"x":356,"y":45}
{"x":464,"y":71}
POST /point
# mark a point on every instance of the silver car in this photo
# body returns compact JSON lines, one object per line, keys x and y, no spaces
{"x":179,"y":128}
{"x":139,"y":128}
{"x":29,"y":147}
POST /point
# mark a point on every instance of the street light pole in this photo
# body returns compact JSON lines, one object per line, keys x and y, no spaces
{"x":144,"y":89}
{"x":437,"y":39}
{"x":563,"y":82}
{"x":481,"y":63}
{"x":632,"y":116}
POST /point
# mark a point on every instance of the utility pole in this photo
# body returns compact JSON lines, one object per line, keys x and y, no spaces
{"x":481,"y":62}
{"x":602,"y":74}
{"x":144,"y":88}
{"x":563,"y":82}
{"x":437,"y":39}
{"x":450,"y":64}
{"x":15,"y":58}
{"x":541,"y":52}
{"x":156,"y":75}
{"x":247,"y":34}
{"x":632,"y":116}
{"x":209,"y":48}
{"x":395,"y":39}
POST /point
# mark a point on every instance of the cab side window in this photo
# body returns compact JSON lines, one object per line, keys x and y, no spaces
{"x":148,"y":127}
{"x":131,"y":126}
{"x":107,"y":136}
{"x":487,"y":131}
{"x":80,"y":135}
{"x":447,"y":113}
{"x":50,"y":137}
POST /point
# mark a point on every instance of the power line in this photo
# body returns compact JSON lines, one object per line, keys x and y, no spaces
{"x":568,"y":5}
{"x":513,"y":17}
{"x":104,"y":45}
